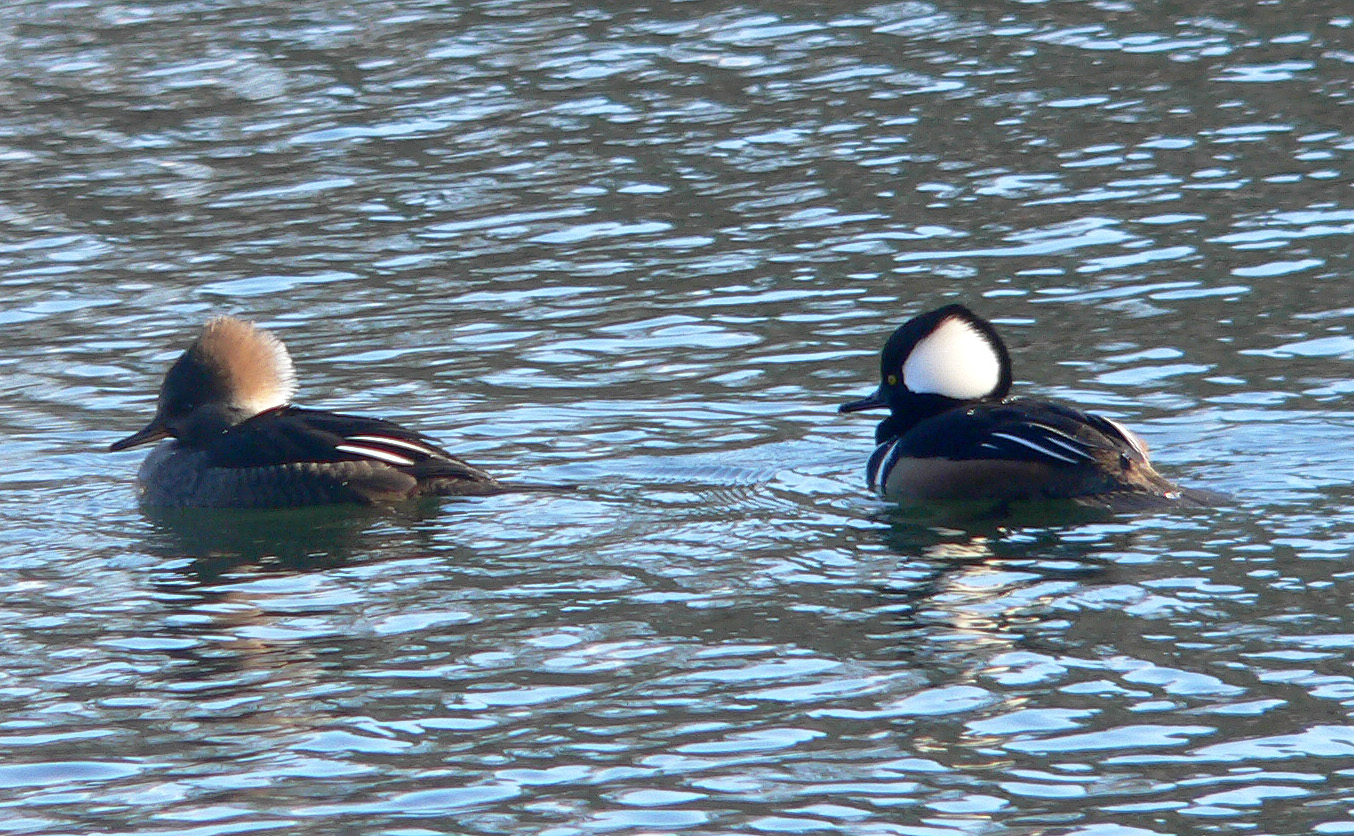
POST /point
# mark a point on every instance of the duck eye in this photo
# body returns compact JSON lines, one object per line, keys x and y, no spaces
{"x":892,"y":380}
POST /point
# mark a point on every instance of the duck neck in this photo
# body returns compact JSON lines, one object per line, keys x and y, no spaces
{"x":911,"y":412}
{"x":205,"y":423}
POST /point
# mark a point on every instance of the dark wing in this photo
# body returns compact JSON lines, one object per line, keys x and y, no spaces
{"x":291,"y":434}
{"x":1023,"y":430}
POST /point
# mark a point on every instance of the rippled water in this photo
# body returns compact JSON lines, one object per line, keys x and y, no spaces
{"x":647,"y":250}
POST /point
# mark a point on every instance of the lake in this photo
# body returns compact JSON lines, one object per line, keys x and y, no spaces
{"x":646,"y":251}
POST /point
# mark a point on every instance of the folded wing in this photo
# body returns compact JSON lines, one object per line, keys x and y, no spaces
{"x":294,"y":435}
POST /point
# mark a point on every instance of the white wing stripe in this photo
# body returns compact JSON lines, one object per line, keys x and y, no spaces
{"x":1049,"y":429}
{"x":395,"y":442}
{"x":881,"y":462}
{"x":1030,"y":444}
{"x":372,"y":453}
{"x":1076,"y":451}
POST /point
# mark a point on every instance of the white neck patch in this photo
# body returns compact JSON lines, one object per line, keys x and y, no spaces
{"x":955,"y":360}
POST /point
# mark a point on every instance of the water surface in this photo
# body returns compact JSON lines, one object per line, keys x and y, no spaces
{"x":648,"y":250}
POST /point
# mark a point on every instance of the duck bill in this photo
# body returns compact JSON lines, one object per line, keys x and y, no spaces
{"x":154,"y":431}
{"x":874,"y":400}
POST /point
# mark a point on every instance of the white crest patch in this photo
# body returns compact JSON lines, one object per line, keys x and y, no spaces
{"x":955,"y":360}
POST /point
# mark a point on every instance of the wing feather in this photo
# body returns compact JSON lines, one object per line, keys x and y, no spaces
{"x":291,"y":435}
{"x":1044,"y":432}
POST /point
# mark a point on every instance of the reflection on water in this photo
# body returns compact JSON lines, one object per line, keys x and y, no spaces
{"x":647,"y":251}
{"x":217,"y":540}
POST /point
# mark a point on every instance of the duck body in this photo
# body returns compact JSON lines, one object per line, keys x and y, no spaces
{"x":291,"y":456}
{"x":1017,"y":449}
{"x":954,"y":434}
{"x":232,"y":441}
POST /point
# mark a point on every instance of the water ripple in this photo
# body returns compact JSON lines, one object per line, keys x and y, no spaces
{"x":647,"y":252}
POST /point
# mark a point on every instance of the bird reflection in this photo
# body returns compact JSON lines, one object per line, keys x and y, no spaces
{"x":995,"y":582}
{"x":217,"y":541}
{"x":246,"y":590}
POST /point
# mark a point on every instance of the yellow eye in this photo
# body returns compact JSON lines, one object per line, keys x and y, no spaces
{"x":892,"y":379}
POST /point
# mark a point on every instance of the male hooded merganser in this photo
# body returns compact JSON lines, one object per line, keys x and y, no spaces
{"x":953,"y":434}
{"x":234,"y":441}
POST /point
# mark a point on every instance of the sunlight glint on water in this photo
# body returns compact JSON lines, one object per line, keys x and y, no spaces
{"x":648,"y":251}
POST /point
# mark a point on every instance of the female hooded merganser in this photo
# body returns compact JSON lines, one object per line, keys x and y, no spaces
{"x":952,"y":433}
{"x":234,"y":441}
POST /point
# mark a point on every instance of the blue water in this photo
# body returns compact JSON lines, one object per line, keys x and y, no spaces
{"x":647,"y":251}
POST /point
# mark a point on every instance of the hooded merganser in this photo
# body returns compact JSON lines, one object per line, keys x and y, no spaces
{"x":953,"y":434}
{"x":234,"y":441}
